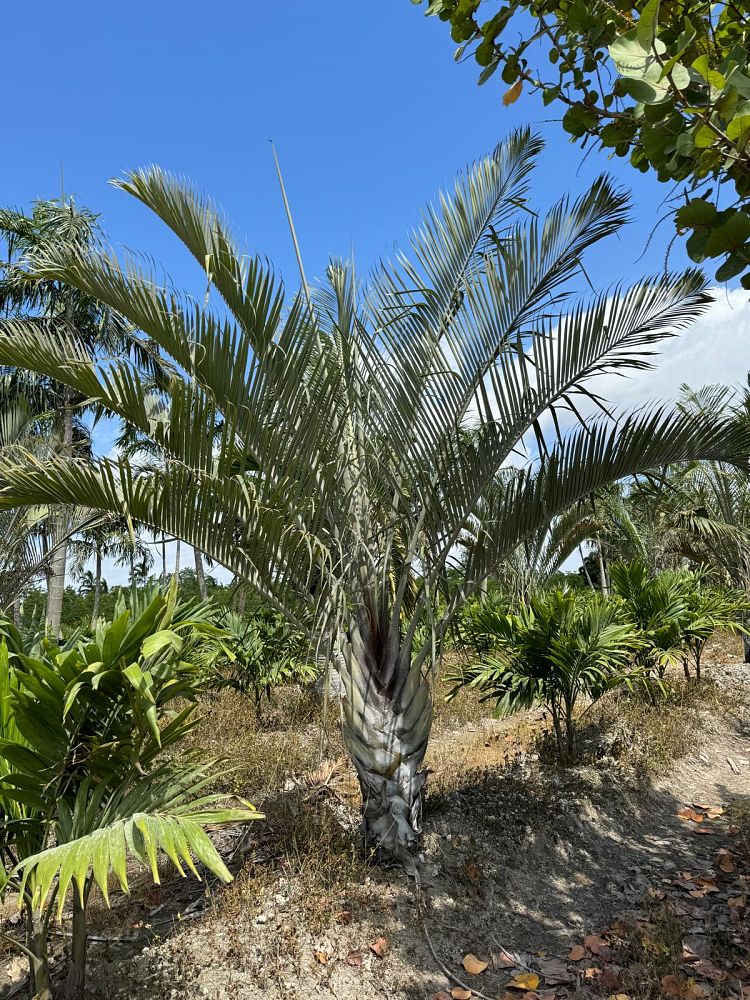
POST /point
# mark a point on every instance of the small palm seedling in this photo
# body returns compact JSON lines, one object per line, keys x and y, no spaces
{"x":558,"y":648}
{"x":658,"y":607}
{"x":260,"y":653}
{"x":85,"y":780}
{"x":708,"y":610}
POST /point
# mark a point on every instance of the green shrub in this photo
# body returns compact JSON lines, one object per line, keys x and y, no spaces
{"x":257,"y":654}
{"x":558,"y":647}
{"x":85,"y":780}
{"x":658,"y":607}
{"x":676,"y":613}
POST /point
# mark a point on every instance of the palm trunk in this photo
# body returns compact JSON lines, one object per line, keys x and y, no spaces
{"x":200,"y":575}
{"x":75,"y":983}
{"x":240,"y":598}
{"x":56,"y":574}
{"x":585,"y":569}
{"x":163,"y":558}
{"x":177,"y":557}
{"x":386,"y":728}
{"x":97,"y":587}
{"x":603,"y":584}
{"x":554,"y":712}
{"x":36,"y":940}
{"x":17,"y":609}
{"x":60,"y":528}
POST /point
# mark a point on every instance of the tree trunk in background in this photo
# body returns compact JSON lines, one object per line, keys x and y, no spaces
{"x":177,"y":557}
{"x":585,"y":568}
{"x":240,"y":596}
{"x":60,"y":529}
{"x":163,"y":558}
{"x":75,"y":983}
{"x":200,"y":575}
{"x":17,"y":609}
{"x":386,"y":735}
{"x":97,"y":587}
{"x":603,"y":585}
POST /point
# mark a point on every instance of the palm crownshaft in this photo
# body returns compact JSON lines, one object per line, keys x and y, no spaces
{"x":319,"y":451}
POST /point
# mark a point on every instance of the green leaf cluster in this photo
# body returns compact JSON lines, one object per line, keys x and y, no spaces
{"x":556,"y":648}
{"x":88,"y":775}
{"x":677,"y":103}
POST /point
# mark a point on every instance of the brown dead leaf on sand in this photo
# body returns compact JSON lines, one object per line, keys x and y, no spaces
{"x":473,"y":965}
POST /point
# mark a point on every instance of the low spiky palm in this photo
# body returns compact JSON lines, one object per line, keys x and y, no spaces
{"x":318,"y":449}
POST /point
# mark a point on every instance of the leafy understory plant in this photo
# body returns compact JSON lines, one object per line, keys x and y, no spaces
{"x":710,"y":609}
{"x":259,"y":653}
{"x":676,"y":613}
{"x":558,"y":648}
{"x":316,"y":445}
{"x":658,"y":607}
{"x":88,"y":775}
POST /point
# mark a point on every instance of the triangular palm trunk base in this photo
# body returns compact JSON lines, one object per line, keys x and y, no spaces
{"x":387,"y":741}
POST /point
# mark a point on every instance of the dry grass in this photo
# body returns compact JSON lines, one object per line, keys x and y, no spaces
{"x":649,"y":949}
{"x":264,"y":751}
{"x":648,"y":736}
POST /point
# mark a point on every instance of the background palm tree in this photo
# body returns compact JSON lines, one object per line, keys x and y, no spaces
{"x":107,"y":536}
{"x":317,"y":448}
{"x":29,"y":301}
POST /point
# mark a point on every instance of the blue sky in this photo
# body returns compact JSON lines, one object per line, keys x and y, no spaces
{"x":369,"y":113}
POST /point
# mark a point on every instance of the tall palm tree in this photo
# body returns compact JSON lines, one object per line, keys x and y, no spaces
{"x":43,"y":303}
{"x":107,"y":536}
{"x":317,"y":446}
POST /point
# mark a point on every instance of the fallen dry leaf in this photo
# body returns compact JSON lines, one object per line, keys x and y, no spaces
{"x":321,"y":956}
{"x":503,"y":959}
{"x":685,"y":989}
{"x":672,"y":985}
{"x":610,"y":977}
{"x":459,"y":993}
{"x":690,"y":814}
{"x":737,"y":902}
{"x":596,"y":945}
{"x":441,"y":995}
{"x":355,"y":959}
{"x":576,"y":953}
{"x":705,"y":830}
{"x":707,"y":970}
{"x":524,"y":981}
{"x":618,"y":996}
{"x":713,"y":812}
{"x":473,"y":872}
{"x":725,"y":862}
{"x":555,"y":972}
{"x":473,"y":965}
{"x":379,"y":947}
{"x":344,"y":917}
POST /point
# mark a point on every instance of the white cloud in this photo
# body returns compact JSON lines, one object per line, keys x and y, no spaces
{"x":715,"y":349}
